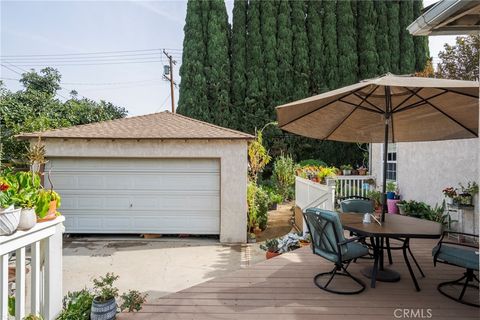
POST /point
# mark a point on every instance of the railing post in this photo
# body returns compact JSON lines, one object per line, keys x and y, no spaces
{"x":4,"y":286}
{"x":53,"y":274}
{"x":331,"y":184}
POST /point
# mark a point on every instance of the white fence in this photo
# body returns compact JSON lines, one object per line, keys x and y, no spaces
{"x":354,"y":185}
{"x":43,"y":243}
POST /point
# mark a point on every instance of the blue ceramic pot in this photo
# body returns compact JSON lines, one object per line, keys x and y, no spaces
{"x":103,"y":310}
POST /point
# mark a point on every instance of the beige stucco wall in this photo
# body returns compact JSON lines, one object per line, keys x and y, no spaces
{"x":424,"y":169}
{"x":233,"y":168}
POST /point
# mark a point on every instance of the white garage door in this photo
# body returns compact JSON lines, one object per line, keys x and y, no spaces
{"x":138,"y":195}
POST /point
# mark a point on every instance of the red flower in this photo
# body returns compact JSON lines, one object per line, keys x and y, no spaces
{"x":4,"y":186}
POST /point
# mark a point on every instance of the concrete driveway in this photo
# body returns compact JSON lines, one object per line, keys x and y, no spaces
{"x":155,"y":266}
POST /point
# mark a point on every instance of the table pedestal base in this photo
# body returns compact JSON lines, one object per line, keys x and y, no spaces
{"x":385,"y":275}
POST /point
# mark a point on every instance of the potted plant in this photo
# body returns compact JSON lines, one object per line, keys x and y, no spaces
{"x":376,"y":197}
{"x":401,"y":207}
{"x":362,"y":171}
{"x":346,"y":169}
{"x":450,"y":193}
{"x":26,"y":199}
{"x":251,"y":237}
{"x":47,"y":203}
{"x":104,"y":306}
{"x":274,"y":200}
{"x":9,"y":216}
{"x":467,"y":193}
{"x":132,"y":301}
{"x":391,"y":187}
{"x":271,"y":248}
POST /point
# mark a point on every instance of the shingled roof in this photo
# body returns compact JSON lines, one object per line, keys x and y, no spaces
{"x":162,"y":125}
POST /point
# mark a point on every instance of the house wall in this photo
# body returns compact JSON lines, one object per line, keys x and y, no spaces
{"x":233,"y":168}
{"x":424,"y":169}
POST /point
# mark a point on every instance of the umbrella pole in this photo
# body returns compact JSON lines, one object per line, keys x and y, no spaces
{"x":388,"y":103}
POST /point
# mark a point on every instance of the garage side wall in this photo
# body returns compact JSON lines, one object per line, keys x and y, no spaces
{"x":233,"y":168}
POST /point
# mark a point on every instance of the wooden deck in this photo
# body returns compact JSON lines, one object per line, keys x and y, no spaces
{"x":282,"y":288}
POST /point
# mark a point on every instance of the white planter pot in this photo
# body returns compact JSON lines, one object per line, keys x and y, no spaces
{"x":347,"y":172}
{"x":9,"y":219}
{"x":28,"y":219}
{"x":449,"y":200}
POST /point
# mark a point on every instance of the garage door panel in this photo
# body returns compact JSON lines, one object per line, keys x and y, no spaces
{"x":138,"y":195}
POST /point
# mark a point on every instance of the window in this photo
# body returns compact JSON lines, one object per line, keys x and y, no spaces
{"x":392,"y":162}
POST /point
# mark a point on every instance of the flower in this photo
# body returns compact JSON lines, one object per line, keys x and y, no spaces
{"x":4,"y":186}
{"x":450,"y":192}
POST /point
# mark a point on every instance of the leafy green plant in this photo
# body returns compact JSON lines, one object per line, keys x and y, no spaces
{"x":326,"y":172}
{"x":252,"y":206}
{"x":22,"y":188}
{"x":391,"y":186}
{"x":376,"y":196}
{"x":76,"y":305}
{"x":415,"y":208}
{"x":262,"y":202}
{"x":471,"y":188}
{"x":270,"y":245}
{"x":44,"y":198}
{"x":346,"y":167}
{"x":103,"y":288}
{"x":258,"y":156}
{"x":33,"y":317}
{"x":132,"y":301}
{"x":284,"y":175}
{"x":312,"y":162}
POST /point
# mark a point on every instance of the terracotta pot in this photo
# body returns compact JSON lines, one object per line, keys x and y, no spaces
{"x":28,"y":219}
{"x":304,"y":243}
{"x":271,"y":255}
{"x":257,"y":231}
{"x":362,"y":172}
{"x":48,"y":217}
{"x":52,"y":207}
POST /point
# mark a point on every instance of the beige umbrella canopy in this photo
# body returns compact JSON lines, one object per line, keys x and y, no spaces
{"x":419,"y":109}
{"x":387,"y":109}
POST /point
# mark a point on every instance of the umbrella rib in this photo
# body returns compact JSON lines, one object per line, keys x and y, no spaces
{"x":341,"y":122}
{"x":365,"y":99}
{"x":398,"y":106}
{"x":419,"y":103}
{"x":448,"y":116}
{"x":360,"y":107}
{"x":462,"y":93}
{"x":321,"y":107}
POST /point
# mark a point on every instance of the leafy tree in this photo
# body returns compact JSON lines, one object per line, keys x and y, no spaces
{"x":193,"y":87}
{"x":393,"y":8}
{"x":367,"y":54}
{"x":381,"y":37}
{"x":314,"y":23}
{"x":330,"y":71}
{"x":35,"y":108}
{"x":217,"y":67}
{"x":238,"y":62}
{"x":268,"y":24}
{"x":460,"y":61}
{"x":284,"y":51}
{"x":407,"y":51}
{"x":300,"y":50}
{"x":420,"y":43}
{"x":346,"y":40}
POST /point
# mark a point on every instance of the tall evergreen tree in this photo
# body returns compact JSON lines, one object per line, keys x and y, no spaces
{"x":315,"y":46}
{"x":255,"y":99}
{"x":381,"y":37}
{"x":217,"y":71}
{"x":420,"y":43}
{"x":407,"y":51}
{"x":330,"y":71}
{"x":238,"y":63}
{"x":367,"y":53}
{"x":193,"y":87}
{"x":284,"y":51}
{"x":268,"y":22}
{"x":300,"y":50}
{"x":347,"y":58}
{"x":393,"y":8}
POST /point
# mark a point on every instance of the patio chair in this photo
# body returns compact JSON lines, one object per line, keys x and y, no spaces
{"x":329,"y":242}
{"x":461,"y":255}
{"x":362,"y":205}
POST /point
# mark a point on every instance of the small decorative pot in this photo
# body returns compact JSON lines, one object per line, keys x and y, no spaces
{"x":347,"y":172}
{"x":362,"y":171}
{"x":49,"y":217}
{"x":28,"y":219}
{"x":9,"y":219}
{"x":401,"y":209}
{"x":52,"y":206}
{"x":271,"y":255}
{"x":390,"y":195}
{"x":103,"y":310}
{"x":449,"y":200}
{"x":392,"y":206}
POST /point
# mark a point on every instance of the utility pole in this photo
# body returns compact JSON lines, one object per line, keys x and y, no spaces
{"x":170,"y":78}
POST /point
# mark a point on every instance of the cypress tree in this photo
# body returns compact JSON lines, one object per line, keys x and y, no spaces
{"x":255,"y":98}
{"x":330,"y":71}
{"x":367,"y":54}
{"x":268,"y":23}
{"x":315,"y":46}
{"x":347,"y":57}
{"x":300,"y":50}
{"x":420,"y":43}
{"x":238,"y":62}
{"x":217,"y":71}
{"x":381,"y":37}
{"x":193,"y":87}
{"x":284,"y":52}
{"x":407,"y":51}
{"x":394,"y":35}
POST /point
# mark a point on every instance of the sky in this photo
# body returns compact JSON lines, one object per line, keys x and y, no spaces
{"x":109,"y":50}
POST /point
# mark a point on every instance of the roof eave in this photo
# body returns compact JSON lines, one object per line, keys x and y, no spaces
{"x":28,"y":137}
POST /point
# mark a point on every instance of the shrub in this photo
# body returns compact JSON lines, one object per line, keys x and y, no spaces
{"x":258,"y":201}
{"x":284,"y":175}
{"x":263,"y":202}
{"x":104,"y":289}
{"x":312,"y":162}
{"x":76,"y":305}
{"x":252,"y":207}
{"x":132,"y":301}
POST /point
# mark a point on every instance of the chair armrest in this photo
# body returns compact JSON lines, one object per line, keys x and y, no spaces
{"x":460,"y":233}
{"x":351,"y":240}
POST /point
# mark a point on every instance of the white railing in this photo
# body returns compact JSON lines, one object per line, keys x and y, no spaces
{"x":354,"y":185}
{"x":43,"y":243}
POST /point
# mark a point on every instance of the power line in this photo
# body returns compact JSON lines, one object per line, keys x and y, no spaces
{"x":86,"y":64}
{"x":91,"y":53}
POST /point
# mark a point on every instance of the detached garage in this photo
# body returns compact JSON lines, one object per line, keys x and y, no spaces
{"x":161,"y":173}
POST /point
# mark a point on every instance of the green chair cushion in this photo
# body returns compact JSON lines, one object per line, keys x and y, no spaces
{"x":357,"y":205}
{"x":460,"y":256}
{"x":353,"y":250}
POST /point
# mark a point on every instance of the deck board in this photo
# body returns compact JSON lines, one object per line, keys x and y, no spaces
{"x":282,"y":289}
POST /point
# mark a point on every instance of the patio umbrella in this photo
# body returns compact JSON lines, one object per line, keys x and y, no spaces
{"x":387,"y":109}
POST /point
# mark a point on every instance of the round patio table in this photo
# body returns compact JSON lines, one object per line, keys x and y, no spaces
{"x":397,"y":227}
